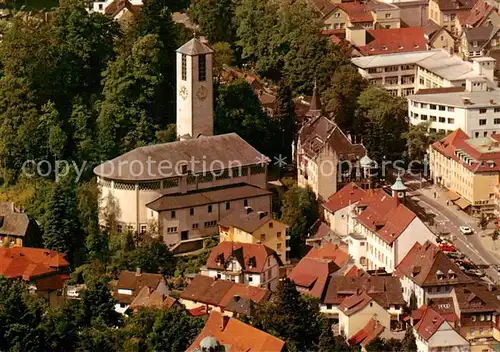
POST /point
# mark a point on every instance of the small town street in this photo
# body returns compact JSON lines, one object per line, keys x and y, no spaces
{"x":447,"y":219}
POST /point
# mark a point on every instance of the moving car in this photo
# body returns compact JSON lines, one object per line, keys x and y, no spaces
{"x":466,"y":230}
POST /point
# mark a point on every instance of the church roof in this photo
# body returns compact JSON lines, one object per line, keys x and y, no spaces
{"x":195,"y":47}
{"x":160,"y":161}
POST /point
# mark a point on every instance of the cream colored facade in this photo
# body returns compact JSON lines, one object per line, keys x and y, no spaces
{"x":337,"y":19}
{"x":349,"y":325}
{"x":478,"y":188}
{"x":388,"y":16}
{"x":273,"y":234}
{"x":442,"y":40}
{"x":445,"y":18}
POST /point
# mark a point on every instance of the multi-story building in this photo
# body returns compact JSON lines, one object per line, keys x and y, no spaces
{"x":469,"y":168}
{"x":18,"y":229}
{"x":433,"y":333}
{"x":177,"y":177}
{"x":444,"y":12}
{"x":250,"y":264}
{"x":477,"y":307}
{"x":403,"y":74}
{"x":427,"y":273}
{"x":438,"y":37}
{"x":483,"y":14}
{"x":479,"y":42}
{"x":388,"y":228}
{"x":475,"y":109}
{"x":324,"y":152}
{"x":251,"y":226}
{"x":369,"y":42}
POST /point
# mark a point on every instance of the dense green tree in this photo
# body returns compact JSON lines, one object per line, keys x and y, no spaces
{"x":342,"y":98}
{"x":285,"y":115}
{"x":299,"y":211}
{"x":215,"y":18}
{"x":380,"y":344}
{"x":62,"y":228}
{"x":238,"y":110}
{"x":385,"y":122}
{"x":409,"y":344}
{"x":168,"y":135}
{"x":97,"y":304}
{"x":327,"y":341}
{"x":153,"y":257}
{"x":223,"y":56}
{"x":291,"y":317}
{"x":20,"y":316}
{"x":131,"y":84}
{"x":418,"y":138}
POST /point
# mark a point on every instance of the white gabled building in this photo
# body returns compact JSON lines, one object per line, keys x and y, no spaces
{"x":388,"y":226}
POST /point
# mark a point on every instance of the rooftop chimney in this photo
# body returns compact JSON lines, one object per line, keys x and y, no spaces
{"x":138,"y":272}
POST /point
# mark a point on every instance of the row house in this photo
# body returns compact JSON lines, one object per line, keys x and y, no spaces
{"x":247,"y":225}
{"x":469,"y":168}
{"x":426,"y":273}
{"x":250,"y":264}
{"x":480,"y":42}
{"x":387,"y":227}
{"x":208,"y":294}
{"x":482,"y":14}
{"x":18,"y":229}
{"x":445,"y":12}
{"x":478,"y":306}
{"x":438,"y":37}
{"x":385,"y":290}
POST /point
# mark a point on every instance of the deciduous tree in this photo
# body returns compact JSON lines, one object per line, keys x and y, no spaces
{"x":215,"y":18}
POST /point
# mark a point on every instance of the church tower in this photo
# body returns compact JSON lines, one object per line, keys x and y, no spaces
{"x":195,"y":111}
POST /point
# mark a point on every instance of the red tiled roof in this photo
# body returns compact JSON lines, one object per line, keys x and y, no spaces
{"x":440,"y":90}
{"x":423,"y":265}
{"x":384,"y":215}
{"x":355,"y":272}
{"x":29,"y":263}
{"x":477,"y":298}
{"x":356,"y":11}
{"x":429,"y":323}
{"x":312,"y":274}
{"x":51,"y":283}
{"x":354,"y":303}
{"x":455,"y":5}
{"x":394,"y":40}
{"x":349,"y":194}
{"x":236,"y":334}
{"x":457,"y":140}
{"x":367,"y":334}
{"x":252,"y":257}
{"x":480,"y":10}
{"x":329,"y":251}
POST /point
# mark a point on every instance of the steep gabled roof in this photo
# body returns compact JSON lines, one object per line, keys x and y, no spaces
{"x":367,"y":334}
{"x":348,"y":195}
{"x":329,"y":251}
{"x":429,"y":323}
{"x":394,"y":40}
{"x":252,"y":257}
{"x":427,"y":265}
{"x":478,"y":13}
{"x":235,"y":335}
{"x":354,"y":303}
{"x":477,"y":298}
{"x":356,"y":11}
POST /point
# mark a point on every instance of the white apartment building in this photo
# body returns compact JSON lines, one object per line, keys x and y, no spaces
{"x":403,"y":74}
{"x":475,"y":109}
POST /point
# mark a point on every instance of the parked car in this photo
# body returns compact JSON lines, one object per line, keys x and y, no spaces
{"x":455,"y":255}
{"x":445,"y":247}
{"x":466,"y":230}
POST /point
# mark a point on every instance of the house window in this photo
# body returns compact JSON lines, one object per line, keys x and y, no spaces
{"x":451,"y":109}
{"x":433,"y":118}
{"x":482,"y":111}
{"x":101,"y":6}
{"x":481,"y":317}
{"x":263,"y":237}
{"x":171,"y":229}
{"x":210,"y":208}
{"x":271,"y":225}
{"x":442,"y":119}
{"x":245,"y":203}
{"x":451,"y":120}
{"x":476,"y":134}
{"x":250,"y":278}
{"x":119,"y":228}
{"x":433,"y":107}
{"x":195,"y":226}
{"x":423,"y":117}
{"x":184,"y":67}
{"x":202,"y":68}
{"x":328,"y":306}
{"x":496,"y":121}
{"x":471,"y":331}
{"x":219,"y":275}
{"x":438,"y":289}
{"x":278,"y":246}
{"x":278,"y":234}
{"x":473,"y":318}
{"x":387,"y":15}
{"x":228,"y":205}
{"x":143,"y":228}
{"x":191,"y":211}
{"x":482,"y":122}
{"x":172,"y":214}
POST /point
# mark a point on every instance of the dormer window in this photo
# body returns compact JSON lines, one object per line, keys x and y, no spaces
{"x":219,"y":260}
{"x":439,"y":275}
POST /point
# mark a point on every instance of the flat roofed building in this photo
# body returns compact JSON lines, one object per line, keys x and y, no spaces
{"x":405,"y":73}
{"x":474,"y":108}
{"x":469,"y":168}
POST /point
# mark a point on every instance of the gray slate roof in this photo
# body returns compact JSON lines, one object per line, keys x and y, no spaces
{"x":203,"y":154}
{"x":195,"y":47}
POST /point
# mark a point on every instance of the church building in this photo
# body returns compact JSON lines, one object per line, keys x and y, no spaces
{"x":182,"y":189}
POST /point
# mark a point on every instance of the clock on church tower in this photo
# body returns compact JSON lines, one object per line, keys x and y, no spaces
{"x":195,"y":115}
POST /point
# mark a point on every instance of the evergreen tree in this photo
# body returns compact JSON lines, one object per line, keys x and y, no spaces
{"x":409,"y":344}
{"x":62,"y":230}
{"x":291,"y":317}
{"x":285,"y":114}
{"x":326,"y":339}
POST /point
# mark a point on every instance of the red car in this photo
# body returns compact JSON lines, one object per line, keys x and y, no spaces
{"x":445,"y":247}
